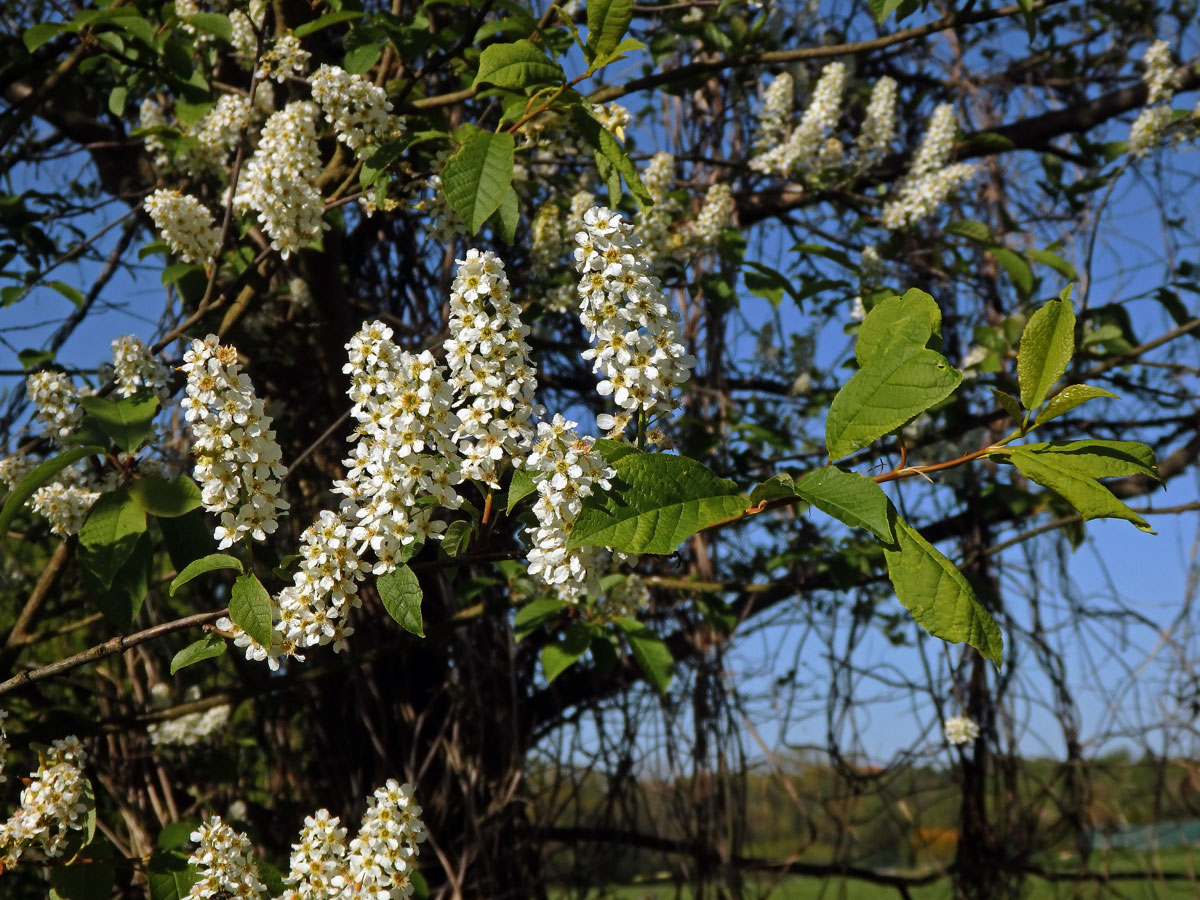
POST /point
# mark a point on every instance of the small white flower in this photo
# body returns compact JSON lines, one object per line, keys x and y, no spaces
{"x":960,"y":730}
{"x":185,"y":224}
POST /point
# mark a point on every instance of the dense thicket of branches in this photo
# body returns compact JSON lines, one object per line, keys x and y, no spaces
{"x":773,"y":623}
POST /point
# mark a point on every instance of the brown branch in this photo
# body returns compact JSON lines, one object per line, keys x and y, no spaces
{"x":21,"y":630}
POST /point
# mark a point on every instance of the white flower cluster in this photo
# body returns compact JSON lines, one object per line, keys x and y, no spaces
{"x":564,"y":468}
{"x":66,"y":502}
{"x":715,"y":216}
{"x":185,"y":224}
{"x":879,"y":125}
{"x":960,"y":730}
{"x":286,"y":58}
{"x":57,"y":400}
{"x":1154,"y":119}
{"x":190,"y":728}
{"x":810,"y":142}
{"x":280,"y":181}
{"x":226,"y":862}
{"x":638,"y":345}
{"x":545,"y":238}
{"x":440,"y":220}
{"x":654,"y":222}
{"x":628,"y":598}
{"x":135,"y":370}
{"x":246,"y":26}
{"x":614,"y":117}
{"x":491,"y":374}
{"x":870,"y":273}
{"x":54,"y":803}
{"x":237,"y":457}
{"x":929,"y":180}
{"x":359,"y":111}
{"x":376,"y":865}
{"x":775,"y":119}
{"x":218,"y":133}
{"x":151,"y":115}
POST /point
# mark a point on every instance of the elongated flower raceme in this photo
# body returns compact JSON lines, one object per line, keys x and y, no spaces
{"x":929,"y":181}
{"x":879,"y":125}
{"x":280,"y":181}
{"x":135,"y":369}
{"x":638,"y":350}
{"x":491,"y":374}
{"x":56,"y":398}
{"x":1155,"y":118}
{"x":808,"y":142}
{"x":359,"y":111}
{"x":53,"y":804}
{"x":185,"y":224}
{"x":237,"y":458}
{"x":566,"y":469}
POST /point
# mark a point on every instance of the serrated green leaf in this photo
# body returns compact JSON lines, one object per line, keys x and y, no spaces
{"x":1070,"y":477}
{"x":82,"y":881}
{"x":216,"y":24}
{"x":208,"y":647}
{"x":109,"y":534}
{"x":559,"y":656}
{"x":650,"y":651}
{"x":169,"y":875}
{"x":521,"y":486}
{"x":612,"y":160}
{"x":885,"y":394}
{"x":507,"y":217}
{"x":850,"y":498}
{"x":608,"y":20}
{"x":73,"y":294}
{"x":1055,"y":262}
{"x":326,"y":20}
{"x":971,"y":230}
{"x":1102,"y":459}
{"x":534,"y":614}
{"x":251,"y":609}
{"x":1047,"y":345}
{"x":1009,"y":404}
{"x":774,"y":488}
{"x":478,"y":177}
{"x":938,"y":596}
{"x":613,"y":450}
{"x":1018,"y":270}
{"x":1069,"y":398}
{"x":36,"y":35}
{"x":163,"y":498}
{"x":121,"y":600}
{"x":627,"y":45}
{"x":126,"y":421}
{"x":401,"y":594}
{"x":210,"y":563}
{"x":657,"y":501}
{"x":361,"y":58}
{"x":457,"y":538}
{"x":43,"y":472}
{"x":518,"y":66}
{"x":907,"y":321}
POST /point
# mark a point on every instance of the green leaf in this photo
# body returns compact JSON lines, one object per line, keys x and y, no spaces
{"x":177,"y":834}
{"x":908,"y":321}
{"x":612,"y":160}
{"x":362,"y":57}
{"x":1071,"y":478}
{"x":29,"y":357}
{"x":251,"y":609}
{"x":938,"y":596}
{"x":559,"y":656}
{"x":213,"y":23}
{"x":884,"y":8}
{"x":170,"y":876}
{"x":27,"y":486}
{"x":1009,"y":404}
{"x":73,"y":294}
{"x":1055,"y":262}
{"x":36,"y":35}
{"x":121,"y":600}
{"x":517,"y":66}
{"x":607,"y":20}
{"x":208,"y":647}
{"x":613,"y":450}
{"x":1069,"y":398}
{"x":519,"y":488}
{"x":82,"y":881}
{"x":1018,"y":270}
{"x":116,"y":100}
{"x":509,"y":216}
{"x":649,"y":651}
{"x":1047,"y":345}
{"x":188,"y":538}
{"x":477,"y":178}
{"x":210,"y":563}
{"x":534,"y":614}
{"x":627,"y":45}
{"x":401,"y":595}
{"x":110,"y":534}
{"x":457,"y":538}
{"x":774,"y":488}
{"x":1102,"y":459}
{"x":126,"y":421}
{"x":163,"y":498}
{"x":850,"y":498}
{"x":326,"y":20}
{"x":971,"y":230}
{"x":884,"y":395}
{"x":657,"y":501}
